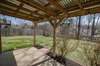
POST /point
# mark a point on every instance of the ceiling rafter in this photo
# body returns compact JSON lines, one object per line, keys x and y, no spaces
{"x":38,"y":6}
{"x":16,"y":6}
{"x":92,"y":2}
{"x":55,"y":3}
{"x":19,"y":7}
{"x":64,"y":11}
{"x":78,"y":2}
{"x":40,"y":15}
{"x":13,"y":12}
{"x":85,"y":5}
{"x":90,"y":10}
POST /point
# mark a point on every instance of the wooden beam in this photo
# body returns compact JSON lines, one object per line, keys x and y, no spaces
{"x":91,"y":3}
{"x":38,"y":6}
{"x":55,"y":23}
{"x":11,"y":14}
{"x":89,"y":10}
{"x":2,"y":8}
{"x":88,"y":4}
{"x":78,"y":2}
{"x":55,"y":3}
{"x":41,"y":16}
{"x":18,"y":7}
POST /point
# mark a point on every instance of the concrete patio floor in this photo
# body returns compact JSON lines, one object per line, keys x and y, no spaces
{"x":23,"y":57}
{"x":30,"y":57}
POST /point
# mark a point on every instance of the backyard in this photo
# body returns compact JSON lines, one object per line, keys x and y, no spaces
{"x":15,"y":42}
{"x":10,"y":43}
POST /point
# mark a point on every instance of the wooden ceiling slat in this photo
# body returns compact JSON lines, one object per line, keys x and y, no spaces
{"x":19,"y":7}
{"x":88,"y":11}
{"x":90,"y":3}
{"x":13,"y":11}
{"x":11,"y":14}
{"x":78,"y":2}
{"x":14,"y":2}
{"x":55,"y":3}
{"x":16,"y":6}
{"x":38,"y":6}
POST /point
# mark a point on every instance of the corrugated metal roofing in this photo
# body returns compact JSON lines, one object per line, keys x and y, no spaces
{"x":44,"y":9}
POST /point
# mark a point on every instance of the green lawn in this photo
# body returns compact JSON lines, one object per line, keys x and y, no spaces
{"x":15,"y":42}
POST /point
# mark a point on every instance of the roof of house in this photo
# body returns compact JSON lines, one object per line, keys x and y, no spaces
{"x":39,"y":10}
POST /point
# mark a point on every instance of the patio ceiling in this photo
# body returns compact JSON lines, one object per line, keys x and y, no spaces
{"x":39,"y":10}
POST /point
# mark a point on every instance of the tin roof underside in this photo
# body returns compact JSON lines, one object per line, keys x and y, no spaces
{"x":38,"y":10}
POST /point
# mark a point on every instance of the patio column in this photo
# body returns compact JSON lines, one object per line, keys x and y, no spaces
{"x":0,"y":41}
{"x":55,"y":23}
{"x":54,"y":38}
{"x":34,"y":34}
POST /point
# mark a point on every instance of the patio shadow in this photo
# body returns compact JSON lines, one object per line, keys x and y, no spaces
{"x":7,"y":59}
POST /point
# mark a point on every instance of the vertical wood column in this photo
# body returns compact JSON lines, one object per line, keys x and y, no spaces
{"x":55,"y":24}
{"x":54,"y":38}
{"x":34,"y":34}
{"x":0,"y":41}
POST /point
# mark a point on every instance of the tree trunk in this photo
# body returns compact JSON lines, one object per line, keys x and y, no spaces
{"x":79,"y":26}
{"x":93,"y":28}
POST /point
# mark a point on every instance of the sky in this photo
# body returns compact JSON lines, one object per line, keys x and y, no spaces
{"x":14,"y":20}
{"x":18,"y":21}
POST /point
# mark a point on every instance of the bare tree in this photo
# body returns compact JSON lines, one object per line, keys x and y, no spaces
{"x":45,"y":28}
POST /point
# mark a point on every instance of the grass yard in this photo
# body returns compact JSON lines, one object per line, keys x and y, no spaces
{"x":15,"y":42}
{"x":10,"y":43}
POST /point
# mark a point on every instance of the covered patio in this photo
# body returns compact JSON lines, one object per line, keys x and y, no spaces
{"x":38,"y":11}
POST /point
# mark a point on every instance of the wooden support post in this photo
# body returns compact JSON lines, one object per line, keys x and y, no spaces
{"x":54,"y":39}
{"x":55,"y":24}
{"x":0,"y":41}
{"x":34,"y":40}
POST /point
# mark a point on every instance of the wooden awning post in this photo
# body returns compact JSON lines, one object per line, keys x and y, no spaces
{"x":55,"y":23}
{"x":54,"y":38}
{"x":34,"y":34}
{"x":0,"y":41}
